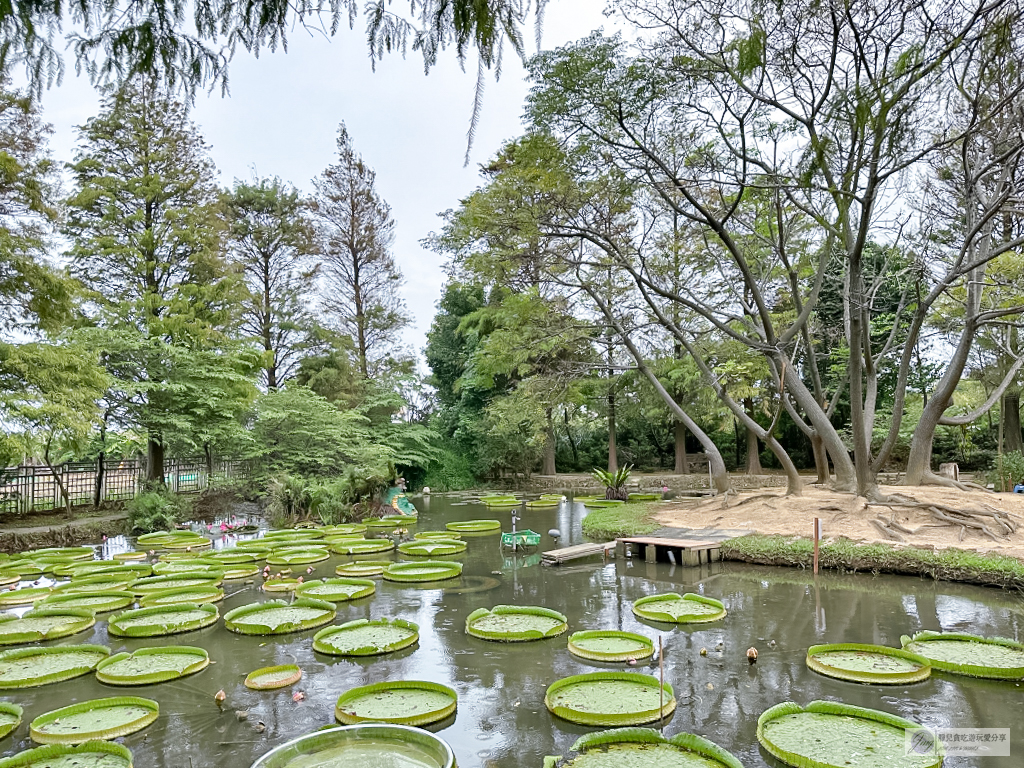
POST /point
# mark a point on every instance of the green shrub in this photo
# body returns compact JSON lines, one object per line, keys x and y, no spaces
{"x":156,"y":511}
{"x":1007,"y":471}
{"x":291,"y":500}
{"x":451,"y":472}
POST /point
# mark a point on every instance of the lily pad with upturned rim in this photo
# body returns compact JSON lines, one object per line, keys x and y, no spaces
{"x":366,"y":638}
{"x":233,"y":557}
{"x":425,"y":571}
{"x":32,"y":667}
{"x":474,"y":526}
{"x":625,"y":747}
{"x":362,"y":546}
{"x":44,"y":624}
{"x":363,"y":568}
{"x":827,"y":734}
{"x":94,"y":719}
{"x":10,"y":717}
{"x":515,"y":623}
{"x":365,"y":745}
{"x":197,"y":595}
{"x":280,"y":585}
{"x":298,"y":556}
{"x":404,"y":702}
{"x":175,"y":581}
{"x":24,"y":595}
{"x":91,"y":754}
{"x":337,"y":590}
{"x":342,"y":528}
{"x":610,"y":645}
{"x":996,"y":658}
{"x":610,"y":699}
{"x":679,"y":609}
{"x":240,"y":571}
{"x":446,"y":535}
{"x":860,"y":663}
{"x":101,"y":601}
{"x":102,"y":582}
{"x":276,"y":617}
{"x":269,"y":678}
{"x":147,"y":666}
{"x":432,"y":547}
{"x":163,"y":620}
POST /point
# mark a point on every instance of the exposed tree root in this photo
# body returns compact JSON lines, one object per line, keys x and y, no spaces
{"x":883,"y":527}
{"x":930,"y":478}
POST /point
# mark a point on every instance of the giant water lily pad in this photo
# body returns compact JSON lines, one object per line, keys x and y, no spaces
{"x":366,"y":638}
{"x":515,"y":623}
{"x":405,"y":702}
{"x":610,"y":645}
{"x":432,"y":547}
{"x":992,"y":657}
{"x":679,"y":609}
{"x":23,"y":595}
{"x":240,"y":571}
{"x":268,"y":678}
{"x":100,"y":582}
{"x":176,"y":581}
{"x":190,"y":565}
{"x":362,"y":546}
{"x":281,"y":585}
{"x":825,"y":734}
{"x":163,"y":620}
{"x":628,"y":747}
{"x":71,"y":553}
{"x":91,"y":754}
{"x":202,"y":594}
{"x":276,"y":617}
{"x":428,"y":570}
{"x":10,"y":717}
{"x":100,"y":601}
{"x":446,"y":535}
{"x":336,"y":590}
{"x":297,"y":556}
{"x":44,"y":624}
{"x":94,"y":719}
{"x":107,"y":567}
{"x":343,"y":528}
{"x":610,"y":698}
{"x":868,"y":663}
{"x":474,"y":526}
{"x":30,"y":667}
{"x":233,"y":556}
{"x":362,"y":568}
{"x":366,"y":744}
{"x":152,"y":665}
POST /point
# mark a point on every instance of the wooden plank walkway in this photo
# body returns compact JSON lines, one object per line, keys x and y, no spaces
{"x":564,"y":555}
{"x":681,"y":551}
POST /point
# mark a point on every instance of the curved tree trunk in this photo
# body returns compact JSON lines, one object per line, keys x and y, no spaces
{"x":820,"y":458}
{"x":154,"y":462}
{"x":753,"y":452}
{"x":613,"y":451}
{"x":682,"y":466}
{"x":548,"y":464}
{"x":1012,"y":440}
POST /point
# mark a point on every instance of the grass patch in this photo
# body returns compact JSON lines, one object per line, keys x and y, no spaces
{"x":846,"y":555}
{"x":615,"y":522}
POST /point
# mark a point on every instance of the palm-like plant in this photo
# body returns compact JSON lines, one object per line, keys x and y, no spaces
{"x":614,"y":482}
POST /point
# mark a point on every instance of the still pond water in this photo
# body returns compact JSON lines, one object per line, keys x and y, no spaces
{"x":501,"y":720}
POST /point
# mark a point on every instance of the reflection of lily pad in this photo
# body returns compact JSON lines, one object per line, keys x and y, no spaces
{"x":826,"y":734}
{"x":268,"y":678}
{"x":610,"y":698}
{"x":30,"y":667}
{"x":152,"y":665}
{"x":428,"y":570}
{"x":515,"y":623}
{"x":276,"y":617}
{"x":679,"y":609}
{"x":362,"y":568}
{"x":432,"y":547}
{"x":362,"y":546}
{"x":868,"y":663}
{"x":336,"y":590}
{"x":474,"y":526}
{"x":94,"y":719}
{"x":10,"y":717}
{"x":44,"y":624}
{"x":366,"y":638}
{"x":163,"y":620}
{"x":91,"y":754}
{"x":970,"y":655}
{"x":97,"y":602}
{"x":405,"y":702}
{"x":623,"y":747}
{"x":610,"y":645}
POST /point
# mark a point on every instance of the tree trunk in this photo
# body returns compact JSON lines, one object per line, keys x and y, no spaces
{"x":572,"y":442}
{"x":97,"y":488}
{"x":820,"y":458}
{"x":1012,"y":440}
{"x":548,"y":465}
{"x":154,"y":462}
{"x":208,"y":455}
{"x":613,"y":458}
{"x":58,"y":480}
{"x":682,"y":460}
{"x":753,"y":452}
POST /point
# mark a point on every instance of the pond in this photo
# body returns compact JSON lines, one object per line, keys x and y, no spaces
{"x":501,"y":720}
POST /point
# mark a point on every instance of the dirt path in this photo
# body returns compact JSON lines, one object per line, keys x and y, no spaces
{"x":78,"y":522}
{"x":770,"y":511}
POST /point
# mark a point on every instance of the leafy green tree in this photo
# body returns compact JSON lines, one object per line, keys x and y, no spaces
{"x":271,"y":238}
{"x":146,"y":242}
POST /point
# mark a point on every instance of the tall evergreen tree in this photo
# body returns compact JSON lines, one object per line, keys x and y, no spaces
{"x":147,"y":243}
{"x":361,"y":278}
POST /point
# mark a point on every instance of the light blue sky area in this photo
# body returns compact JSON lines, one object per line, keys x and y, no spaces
{"x":283,"y":110}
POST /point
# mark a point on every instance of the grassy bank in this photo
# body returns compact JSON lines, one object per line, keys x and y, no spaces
{"x":623,"y":520}
{"x":845,"y":555}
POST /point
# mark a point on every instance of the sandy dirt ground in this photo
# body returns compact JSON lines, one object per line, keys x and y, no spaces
{"x":770,"y":511}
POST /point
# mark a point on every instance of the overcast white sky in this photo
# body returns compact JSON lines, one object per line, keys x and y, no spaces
{"x":283,"y":110}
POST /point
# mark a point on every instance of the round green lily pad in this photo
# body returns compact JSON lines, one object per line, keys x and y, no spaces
{"x":405,"y":702}
{"x":366,"y":638}
{"x":432,"y":547}
{"x":129,"y":557}
{"x":400,"y":519}
{"x":868,"y":663}
{"x":31,"y":667}
{"x":94,"y":719}
{"x":44,"y":624}
{"x":825,"y":734}
{"x":74,"y":553}
{"x":446,"y":535}
{"x":268,"y":678}
{"x":24,"y":595}
{"x":190,"y":565}
{"x":233,"y":556}
{"x":100,"y":601}
{"x":961,"y":654}
{"x":9,"y":578}
{"x":189,"y":544}
{"x":152,"y":665}
{"x":107,"y":567}
{"x":625,"y":747}
{"x":679,"y":609}
{"x":91,"y":754}
{"x":297,"y":556}
{"x":336,"y":590}
{"x":294,"y":533}
{"x":362,"y":546}
{"x":280,"y":585}
{"x":10,"y":717}
{"x":475,"y":526}
{"x":610,"y":645}
{"x":202,"y":594}
{"x":515,"y":623}
{"x":543,"y":503}
{"x":362,"y":568}
{"x":276,"y":617}
{"x":378,"y":523}
{"x":100,"y":582}
{"x":610,"y":699}
{"x":428,"y":570}
{"x":28,"y":569}
{"x":343,"y":528}
{"x":176,"y":580}
{"x":163,"y":620}
{"x":240,"y":571}
{"x":365,"y":745}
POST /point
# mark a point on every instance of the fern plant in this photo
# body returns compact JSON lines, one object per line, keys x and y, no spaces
{"x":614,"y":482}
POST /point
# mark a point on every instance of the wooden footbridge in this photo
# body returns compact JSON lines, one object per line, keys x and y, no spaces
{"x":682,"y":546}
